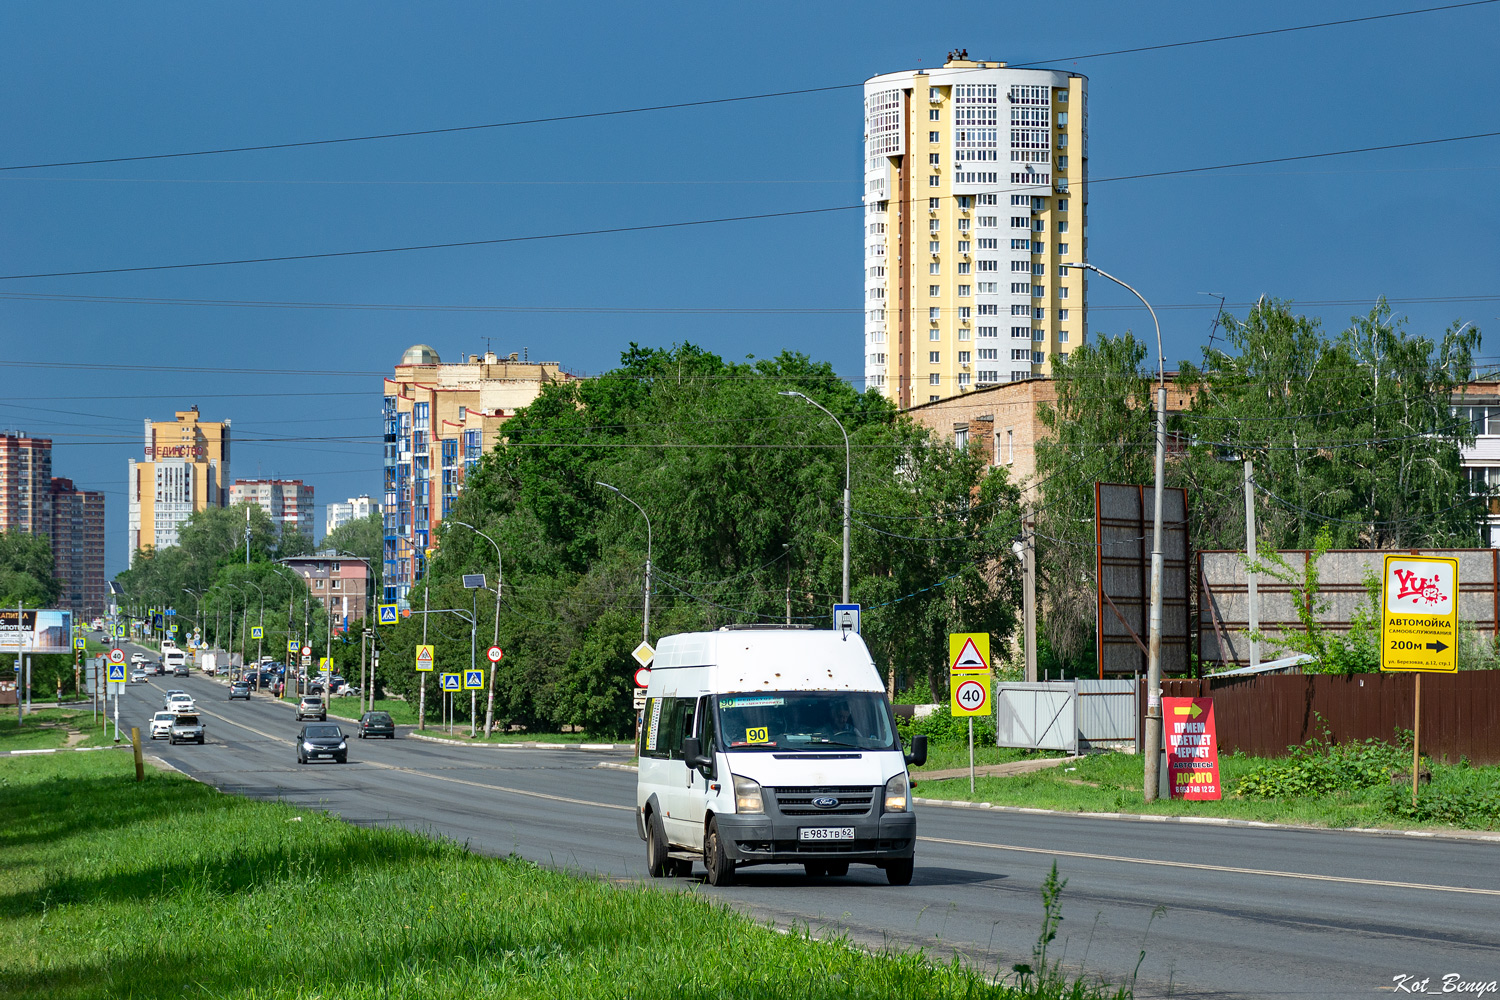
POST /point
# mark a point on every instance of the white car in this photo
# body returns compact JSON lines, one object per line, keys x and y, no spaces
{"x":161,"y":725}
{"x":137,"y":658}
{"x":181,"y":704}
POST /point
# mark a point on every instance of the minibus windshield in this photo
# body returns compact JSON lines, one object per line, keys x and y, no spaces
{"x":805,"y":720}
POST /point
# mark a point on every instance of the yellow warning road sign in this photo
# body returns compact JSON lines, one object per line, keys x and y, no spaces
{"x":969,"y":695}
{"x":424,"y":658}
{"x":1419,"y":614}
{"x":968,"y":652}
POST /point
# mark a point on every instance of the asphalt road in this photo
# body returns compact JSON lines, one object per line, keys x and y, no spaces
{"x":1247,"y":912}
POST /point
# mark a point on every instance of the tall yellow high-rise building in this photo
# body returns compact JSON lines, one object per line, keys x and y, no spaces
{"x":186,"y":469}
{"x":964,"y":248}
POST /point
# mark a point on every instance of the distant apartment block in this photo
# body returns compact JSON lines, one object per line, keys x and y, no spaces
{"x":185,"y":470}
{"x":289,"y":502}
{"x":342,"y":583}
{"x":78,"y":548}
{"x":340,"y":514}
{"x":439,"y":419}
{"x":25,"y":483}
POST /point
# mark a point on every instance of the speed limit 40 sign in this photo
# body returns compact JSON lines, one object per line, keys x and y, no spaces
{"x":970,"y":695}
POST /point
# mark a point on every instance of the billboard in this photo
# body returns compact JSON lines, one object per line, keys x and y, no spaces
{"x":1123,"y":526}
{"x":40,"y":631}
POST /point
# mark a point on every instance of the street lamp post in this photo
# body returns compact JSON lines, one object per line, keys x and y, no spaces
{"x":1153,"y":741}
{"x":793,"y":392}
{"x":646,"y":615}
{"x":260,"y":643}
{"x":489,"y":711}
{"x":290,"y":604}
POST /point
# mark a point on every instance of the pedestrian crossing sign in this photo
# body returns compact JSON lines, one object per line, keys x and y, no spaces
{"x":117,"y":673}
{"x":389,"y":614}
{"x":293,"y":646}
{"x":80,"y":643}
{"x":452,"y":682}
{"x":256,"y":632}
{"x":473,"y":680}
{"x":425,"y":658}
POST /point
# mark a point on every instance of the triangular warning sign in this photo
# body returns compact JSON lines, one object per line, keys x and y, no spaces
{"x":969,"y":658}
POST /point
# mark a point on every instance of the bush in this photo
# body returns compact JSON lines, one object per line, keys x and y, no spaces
{"x":942,"y":729}
{"x":1320,"y":766}
{"x":1458,"y":796}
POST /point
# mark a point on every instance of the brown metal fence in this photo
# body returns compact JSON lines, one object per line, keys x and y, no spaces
{"x":1264,"y":715}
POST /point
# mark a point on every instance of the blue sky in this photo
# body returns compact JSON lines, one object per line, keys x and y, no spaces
{"x":101,"y":80}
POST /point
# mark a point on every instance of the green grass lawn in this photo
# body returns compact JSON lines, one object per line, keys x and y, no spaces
{"x":1112,"y":782}
{"x":168,"y":888}
{"x":941,"y":757}
{"x":47,"y":728}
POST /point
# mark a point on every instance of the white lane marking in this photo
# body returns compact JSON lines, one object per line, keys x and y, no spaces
{"x":440,"y":777}
{"x":1193,"y":866}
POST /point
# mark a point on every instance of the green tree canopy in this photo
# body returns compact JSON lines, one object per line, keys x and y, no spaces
{"x":26,"y":571}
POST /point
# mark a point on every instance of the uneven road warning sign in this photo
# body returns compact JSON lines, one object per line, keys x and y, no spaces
{"x":1419,"y":614}
{"x":452,"y":682}
{"x":424,"y":660}
{"x":968,"y":652}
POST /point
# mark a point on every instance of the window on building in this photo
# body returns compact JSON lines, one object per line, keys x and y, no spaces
{"x":1062,"y":118}
{"x":1039,"y":226}
{"x":934,"y":334}
{"x":1019,"y":287}
{"x":1062,"y":293}
{"x":932,"y":115}
{"x":933,"y":246}
{"x":988,"y":199}
{"x":988,"y":221}
{"x":989,"y":331}
{"x":935,"y":312}
{"x":1038,"y":291}
{"x":934,"y":181}
{"x":934,"y":290}
{"x":1020,"y":222}
{"x":1062,"y":225}
{"x":963,"y":225}
{"x":1062,"y":249}
{"x":1020,"y":331}
{"x":934,"y":268}
{"x":964,"y":312}
{"x":1039,"y":335}
{"x":965,"y":202}
{"x":933,"y":94}
{"x":1038,"y":268}
{"x":964,"y":267}
{"x":964,"y":246}
{"x":963,"y":333}
{"x":1041,"y":313}
{"x":1020,"y":354}
{"x":932,"y":399}
{"x":1039,"y":358}
{"x":1062,"y":204}
{"x":938,"y":137}
{"x":988,"y":354}
{"x":934,"y":357}
{"x":932,"y":158}
{"x":933,"y":225}
{"x":965,"y":378}
{"x":934,"y":203}
{"x":1062,"y":314}
{"x":1062,"y":338}
{"x":963,"y":293}
{"x":1020,"y":310}
{"x":961,"y":440}
{"x":1010,"y":449}
{"x":1020,"y":201}
{"x":988,"y":287}
{"x":964,"y":357}
{"x":934,"y":379}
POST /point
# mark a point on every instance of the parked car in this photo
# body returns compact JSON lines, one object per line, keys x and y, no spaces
{"x":322,"y":742}
{"x":377,"y":724}
{"x":312,"y":708}
{"x":239,"y":689}
{"x":186,"y":729}
{"x":138,"y":675}
{"x":161,"y":725}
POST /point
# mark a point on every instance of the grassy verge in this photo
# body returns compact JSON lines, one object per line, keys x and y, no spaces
{"x":944,"y":756}
{"x":47,"y":728}
{"x":169,"y":889}
{"x":462,"y":733}
{"x":1113,"y":783}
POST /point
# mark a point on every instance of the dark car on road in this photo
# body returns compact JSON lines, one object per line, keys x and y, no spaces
{"x":312,"y":708}
{"x":322,"y":742}
{"x":377,"y":724}
{"x":186,"y":729}
{"x":239,"y":689}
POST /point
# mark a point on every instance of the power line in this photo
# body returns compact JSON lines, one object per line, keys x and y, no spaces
{"x":691,"y":223}
{"x":412,"y":133}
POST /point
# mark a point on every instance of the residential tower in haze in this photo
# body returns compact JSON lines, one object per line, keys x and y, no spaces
{"x":976,"y":193}
{"x":185,"y":469}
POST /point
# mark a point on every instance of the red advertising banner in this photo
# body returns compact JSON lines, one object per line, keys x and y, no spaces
{"x":1192,"y":748}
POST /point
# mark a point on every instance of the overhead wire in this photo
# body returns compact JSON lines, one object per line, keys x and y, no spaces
{"x":709,"y":102}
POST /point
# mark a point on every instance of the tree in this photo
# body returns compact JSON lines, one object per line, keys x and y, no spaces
{"x":744,"y":492}
{"x":26,"y":571}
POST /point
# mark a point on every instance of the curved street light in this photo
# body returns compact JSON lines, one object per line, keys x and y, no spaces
{"x":836,"y":420}
{"x":489,"y":711}
{"x":1153,"y":733}
{"x":260,"y":642}
{"x":646,"y":615}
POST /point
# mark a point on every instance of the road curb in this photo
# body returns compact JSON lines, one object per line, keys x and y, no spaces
{"x":1248,"y":824}
{"x":529,"y":744}
{"x":1151,"y":818}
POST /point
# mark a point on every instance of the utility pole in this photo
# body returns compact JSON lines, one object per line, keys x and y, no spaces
{"x":1251,"y":555}
{"x":473,"y":650}
{"x":1026,"y":549}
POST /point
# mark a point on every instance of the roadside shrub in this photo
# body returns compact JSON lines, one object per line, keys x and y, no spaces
{"x":942,"y":729}
{"x":1320,"y":766}
{"x":1458,"y":796}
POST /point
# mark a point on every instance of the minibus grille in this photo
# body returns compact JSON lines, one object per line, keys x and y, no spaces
{"x":854,"y":800}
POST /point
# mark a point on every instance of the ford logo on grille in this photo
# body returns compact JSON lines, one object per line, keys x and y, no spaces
{"x":826,"y":802}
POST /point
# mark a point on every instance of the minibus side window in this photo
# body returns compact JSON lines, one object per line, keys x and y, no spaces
{"x":706,"y":736}
{"x":682,"y":725}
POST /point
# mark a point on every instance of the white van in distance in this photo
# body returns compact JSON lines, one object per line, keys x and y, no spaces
{"x":772,"y":745}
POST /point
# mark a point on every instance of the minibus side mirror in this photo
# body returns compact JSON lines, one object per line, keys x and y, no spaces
{"x":918,"y":755}
{"x":692,"y":753}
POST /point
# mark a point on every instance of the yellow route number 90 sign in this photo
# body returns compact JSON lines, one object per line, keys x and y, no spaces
{"x":1419,"y":614}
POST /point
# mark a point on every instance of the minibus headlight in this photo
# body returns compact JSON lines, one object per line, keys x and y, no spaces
{"x":897,"y":794}
{"x":747,"y":797}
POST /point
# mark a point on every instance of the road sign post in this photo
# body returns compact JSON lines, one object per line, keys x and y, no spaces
{"x":425,"y":659}
{"x":1418,"y":629}
{"x":969,"y":682}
